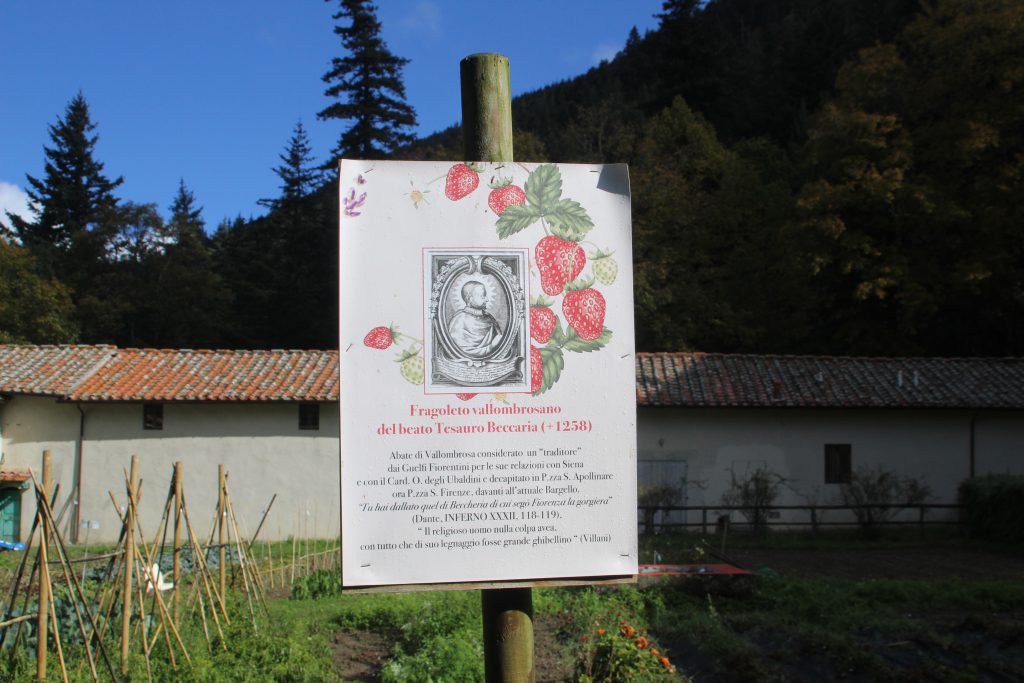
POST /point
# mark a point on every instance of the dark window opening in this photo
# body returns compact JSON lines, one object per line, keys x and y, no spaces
{"x":837,"y":463}
{"x":309,"y":416}
{"x":152,"y":415}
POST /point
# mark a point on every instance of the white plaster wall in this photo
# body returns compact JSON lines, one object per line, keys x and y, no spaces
{"x":999,"y":443}
{"x":28,"y":426}
{"x":263,"y":451}
{"x":933,"y":444}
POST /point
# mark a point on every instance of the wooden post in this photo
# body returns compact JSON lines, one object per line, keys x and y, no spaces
{"x":486,"y":107}
{"x":129,"y":559}
{"x":221,"y":538}
{"x":487,"y":136}
{"x":42,"y":624}
{"x":176,"y":597}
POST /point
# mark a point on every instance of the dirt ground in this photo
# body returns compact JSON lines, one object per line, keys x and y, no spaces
{"x":924,"y":562}
{"x":359,"y":656}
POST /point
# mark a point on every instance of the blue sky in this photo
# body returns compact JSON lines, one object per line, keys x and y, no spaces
{"x":211,"y":91}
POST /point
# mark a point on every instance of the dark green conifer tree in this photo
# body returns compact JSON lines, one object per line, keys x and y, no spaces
{"x":192,"y":299}
{"x":71,"y":201}
{"x":298,"y":171}
{"x":367,"y":84}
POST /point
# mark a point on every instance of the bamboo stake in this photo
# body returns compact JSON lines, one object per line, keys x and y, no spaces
{"x":245,"y":560}
{"x":242,"y":563}
{"x":145,"y":641}
{"x":56,"y":637}
{"x":74,"y":600}
{"x":208,"y":583}
{"x":206,"y":630}
{"x":220,"y":527}
{"x":294,"y":539}
{"x":176,"y":577}
{"x":165,"y":617}
{"x":44,"y":571}
{"x":126,"y":595}
{"x":70,"y":576}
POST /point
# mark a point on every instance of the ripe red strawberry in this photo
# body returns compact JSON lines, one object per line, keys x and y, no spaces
{"x":536,"y":370}
{"x":464,"y":397}
{"x":380,"y":337}
{"x":559,"y":261}
{"x":504,"y":194}
{"x":584,"y":309}
{"x":542,"y":322}
{"x":461,"y":180}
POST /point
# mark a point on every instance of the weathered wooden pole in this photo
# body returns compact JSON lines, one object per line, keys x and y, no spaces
{"x":221,"y":530}
{"x":129,"y":561}
{"x":177,"y":542}
{"x":42,"y":623}
{"x":486,"y":108}
{"x":487,"y":136}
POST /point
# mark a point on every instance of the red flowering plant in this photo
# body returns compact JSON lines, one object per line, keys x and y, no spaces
{"x":615,"y":654}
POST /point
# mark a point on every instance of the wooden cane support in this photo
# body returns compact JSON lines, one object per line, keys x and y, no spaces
{"x":42,"y":625}
{"x":221,"y":529}
{"x":129,"y":558}
{"x":176,"y":597}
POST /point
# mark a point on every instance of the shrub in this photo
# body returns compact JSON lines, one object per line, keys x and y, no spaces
{"x":877,"y":494}
{"x":994,"y":507}
{"x":323,"y":583}
{"x":754,"y":493}
{"x":652,"y":498}
{"x":617,"y":655}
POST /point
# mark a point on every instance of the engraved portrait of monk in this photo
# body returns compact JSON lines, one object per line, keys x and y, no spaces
{"x":475,"y":331}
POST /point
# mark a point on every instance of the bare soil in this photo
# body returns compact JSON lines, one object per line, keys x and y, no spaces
{"x":922,"y":562}
{"x":359,"y":656}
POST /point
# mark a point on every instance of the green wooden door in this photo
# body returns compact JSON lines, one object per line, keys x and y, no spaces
{"x":10,"y":515}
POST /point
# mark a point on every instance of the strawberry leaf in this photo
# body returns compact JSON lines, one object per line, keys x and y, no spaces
{"x":569,"y":220}
{"x":552,"y":361}
{"x":576,"y":345}
{"x":515,"y":218}
{"x":543,"y":188}
{"x":558,"y":337}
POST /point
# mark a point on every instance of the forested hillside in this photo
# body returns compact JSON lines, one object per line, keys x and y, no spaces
{"x":840,"y":177}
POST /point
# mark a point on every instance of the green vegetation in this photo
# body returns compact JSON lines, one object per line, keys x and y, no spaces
{"x":994,"y":507}
{"x":840,"y":177}
{"x":768,"y":627}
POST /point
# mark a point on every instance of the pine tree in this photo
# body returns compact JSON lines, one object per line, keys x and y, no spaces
{"x":72,"y":200}
{"x":192,"y":297}
{"x":367,"y":83}
{"x":298,"y":171}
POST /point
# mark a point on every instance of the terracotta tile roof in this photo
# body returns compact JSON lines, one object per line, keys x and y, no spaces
{"x":104,"y":373}
{"x":186,"y":375}
{"x":723,"y":380}
{"x":48,"y":370}
{"x":14,"y":475}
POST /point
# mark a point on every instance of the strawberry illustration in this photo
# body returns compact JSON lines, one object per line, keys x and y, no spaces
{"x":464,"y":397}
{"x":380,"y":337}
{"x":605,"y":267}
{"x":536,"y":370}
{"x":504,"y":194}
{"x":559,"y":261}
{"x":461,"y":180}
{"x":584,"y":309}
{"x":411,"y":365}
{"x":542,"y":320}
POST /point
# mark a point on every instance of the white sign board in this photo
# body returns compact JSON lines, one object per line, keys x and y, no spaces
{"x":488,"y":396}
